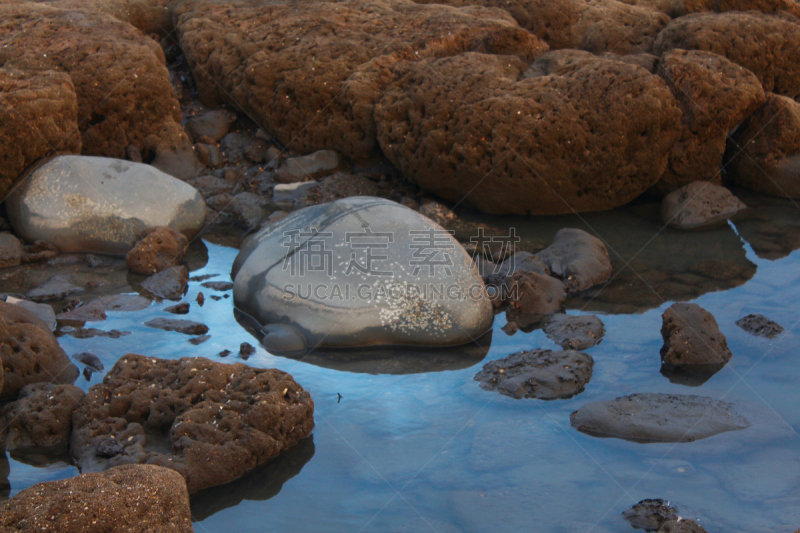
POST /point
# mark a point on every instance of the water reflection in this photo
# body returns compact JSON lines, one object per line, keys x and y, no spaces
{"x":386,"y":360}
{"x":260,"y":484}
{"x":772,"y":225}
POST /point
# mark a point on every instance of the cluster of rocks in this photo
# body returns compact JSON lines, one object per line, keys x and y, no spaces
{"x":658,"y":515}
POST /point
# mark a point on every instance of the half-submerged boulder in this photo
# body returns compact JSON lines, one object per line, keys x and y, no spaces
{"x":123,"y":499}
{"x":356,"y":272}
{"x":212,"y":422}
{"x":101,"y":205}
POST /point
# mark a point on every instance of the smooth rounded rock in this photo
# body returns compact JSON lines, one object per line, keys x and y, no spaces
{"x":655,"y":417}
{"x":100,"y":205}
{"x":361,"y":272}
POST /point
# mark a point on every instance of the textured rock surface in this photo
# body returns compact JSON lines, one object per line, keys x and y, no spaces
{"x":597,"y":26}
{"x":768,"y":46}
{"x":100,"y":205}
{"x":40,"y":419}
{"x":721,"y":6}
{"x":170,"y":283}
{"x":11,"y":251}
{"x":124,"y":95}
{"x":157,"y":249}
{"x":187,"y":327}
{"x":38,"y":114}
{"x":218,"y":421}
{"x":369,"y":289}
{"x":699,"y":204}
{"x":650,"y":514}
{"x":658,"y":418}
{"x":579,"y":259}
{"x":574,"y":332}
{"x":307,"y":167}
{"x":770,"y":143}
{"x":760,"y":326}
{"x":29,"y":352}
{"x":311,"y":72}
{"x":692,"y":337}
{"x":532,"y":296}
{"x":121,"y":500}
{"x":541,"y":374}
{"x":578,"y":132}
{"x":715,"y":95}
{"x":213,"y":125}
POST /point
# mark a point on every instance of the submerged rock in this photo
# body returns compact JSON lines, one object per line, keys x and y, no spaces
{"x":698,"y":205}
{"x":100,"y":205}
{"x":30,"y":352}
{"x":123,"y":499}
{"x":542,"y":374}
{"x":359,"y":272}
{"x":212,"y":422}
{"x":580,"y":260}
{"x":760,"y":326}
{"x":658,"y":418}
{"x":574,"y":332}
{"x":692,"y":337}
{"x":170,"y":283}
{"x":181,"y":326}
{"x":531,"y":297}
{"x":40,"y":419}
{"x":56,"y":288}
{"x":650,"y":514}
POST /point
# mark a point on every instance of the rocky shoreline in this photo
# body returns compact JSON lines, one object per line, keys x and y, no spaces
{"x":129,"y":129}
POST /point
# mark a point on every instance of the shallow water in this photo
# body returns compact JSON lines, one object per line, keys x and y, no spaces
{"x":423,"y":448}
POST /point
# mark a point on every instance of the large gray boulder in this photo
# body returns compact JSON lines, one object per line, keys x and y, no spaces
{"x":100,"y":205}
{"x":316,"y":278}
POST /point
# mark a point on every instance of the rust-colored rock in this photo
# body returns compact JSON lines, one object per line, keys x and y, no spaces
{"x":121,"y":500}
{"x":766,"y":149}
{"x":715,"y":95}
{"x":765,"y":6}
{"x":768,"y":46}
{"x":219,"y":420}
{"x":38,"y":116}
{"x":124,"y":95}
{"x":156,"y":250}
{"x":594,"y":25}
{"x":40,"y":419}
{"x":311,"y":72}
{"x":30,"y":352}
{"x":573,"y":132}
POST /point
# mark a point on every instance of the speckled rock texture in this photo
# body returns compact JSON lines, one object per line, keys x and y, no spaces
{"x":417,"y":287}
{"x":124,"y":95}
{"x":769,"y":140}
{"x":38,"y":115}
{"x":311,"y":72}
{"x":580,"y":260}
{"x":597,"y":26}
{"x":698,"y":205}
{"x":574,"y":332}
{"x":149,"y":16}
{"x":573,"y":132}
{"x":211,"y":422}
{"x":692,"y":337}
{"x":121,"y":500}
{"x":40,"y":419}
{"x":101,"y":205}
{"x":658,"y":418}
{"x":760,"y":326}
{"x":765,"y":6}
{"x":767,"y":45}
{"x":30,"y":352}
{"x":542,"y":374}
{"x":532,"y":297}
{"x":156,"y":250}
{"x":715,"y":95}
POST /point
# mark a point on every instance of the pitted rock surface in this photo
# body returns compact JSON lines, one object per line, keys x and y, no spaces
{"x":541,"y":374}
{"x":760,"y":326}
{"x":699,"y":204}
{"x":124,"y":95}
{"x":692,"y":337}
{"x":157,"y":249}
{"x":311,"y":72}
{"x":211,"y":422}
{"x":574,"y":332}
{"x":30,"y":352}
{"x":121,"y":500}
{"x":587,"y":133}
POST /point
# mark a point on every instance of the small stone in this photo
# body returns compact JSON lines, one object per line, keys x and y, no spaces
{"x":698,"y":205}
{"x":760,"y":326}
{"x":218,"y":285}
{"x":187,"y":327}
{"x":213,"y":124}
{"x":170,"y":283}
{"x":692,"y":337}
{"x":532,"y":296}
{"x":11,"y":250}
{"x":180,"y":309}
{"x":199,"y":340}
{"x":90,"y":360}
{"x":246,"y":350}
{"x":155,"y":250}
{"x":307,"y":167}
{"x":580,"y":260}
{"x":574,"y":332}
{"x":542,"y":374}
{"x":224,"y":353}
{"x":88,"y":333}
{"x":650,"y":514}
{"x":200,"y":299}
{"x":110,"y":447}
{"x":56,"y":288}
{"x":287,"y":194}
